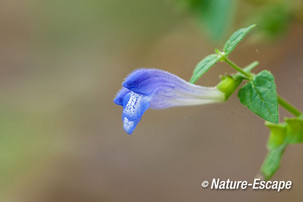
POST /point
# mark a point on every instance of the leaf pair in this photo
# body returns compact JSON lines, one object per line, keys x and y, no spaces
{"x":259,"y":94}
{"x":290,"y":132}
{"x":204,"y":65}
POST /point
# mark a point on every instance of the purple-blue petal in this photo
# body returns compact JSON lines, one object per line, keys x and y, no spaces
{"x":134,"y":105}
{"x":120,"y":96}
{"x":128,"y":125}
{"x":146,"y":81}
{"x":157,"y":89}
{"x":168,"y":90}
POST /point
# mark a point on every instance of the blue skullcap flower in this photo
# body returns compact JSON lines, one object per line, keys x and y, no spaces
{"x":157,"y":89}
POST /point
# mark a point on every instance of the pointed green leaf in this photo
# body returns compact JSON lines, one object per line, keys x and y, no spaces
{"x":272,"y":161}
{"x":294,"y":130}
{"x":235,"y":38}
{"x":260,"y":96}
{"x":215,"y":16}
{"x":203,"y":66}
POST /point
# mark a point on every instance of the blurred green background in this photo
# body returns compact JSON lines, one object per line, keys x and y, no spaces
{"x":62,"y":62}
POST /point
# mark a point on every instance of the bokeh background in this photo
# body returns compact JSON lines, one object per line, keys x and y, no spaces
{"x":62,"y":62}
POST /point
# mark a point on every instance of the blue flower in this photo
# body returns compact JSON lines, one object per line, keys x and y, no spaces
{"x":157,"y":89}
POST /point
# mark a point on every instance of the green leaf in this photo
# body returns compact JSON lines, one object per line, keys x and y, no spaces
{"x":294,"y":130}
{"x":235,"y":38}
{"x":214,"y":15}
{"x":273,"y":19}
{"x":260,"y":96}
{"x":203,"y":66}
{"x":277,"y":135}
{"x":272,"y":161}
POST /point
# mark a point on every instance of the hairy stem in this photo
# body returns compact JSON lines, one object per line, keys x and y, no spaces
{"x":236,"y":67}
{"x":289,"y":107}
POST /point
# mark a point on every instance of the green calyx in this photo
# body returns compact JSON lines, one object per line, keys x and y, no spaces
{"x":228,"y":85}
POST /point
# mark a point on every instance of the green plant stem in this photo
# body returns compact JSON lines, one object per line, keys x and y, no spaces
{"x":233,"y":65}
{"x":283,"y":103}
{"x":289,"y":107}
